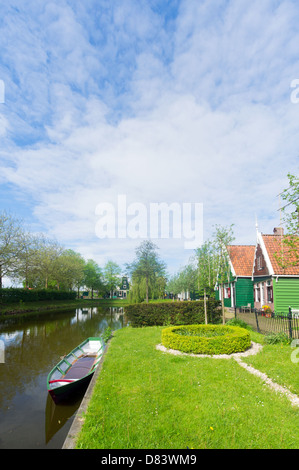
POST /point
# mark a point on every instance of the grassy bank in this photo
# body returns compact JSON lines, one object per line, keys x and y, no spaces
{"x":146,"y":399}
{"x":23,"y":308}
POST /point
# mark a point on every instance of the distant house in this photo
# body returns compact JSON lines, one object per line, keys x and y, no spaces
{"x":275,"y":286}
{"x":238,"y":289}
{"x":123,"y":289}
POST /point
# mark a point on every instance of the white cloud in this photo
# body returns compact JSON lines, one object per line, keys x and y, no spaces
{"x":199,"y":112}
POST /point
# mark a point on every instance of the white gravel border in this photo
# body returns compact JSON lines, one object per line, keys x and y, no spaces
{"x":254,"y":349}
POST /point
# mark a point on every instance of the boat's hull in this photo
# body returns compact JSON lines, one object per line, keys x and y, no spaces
{"x":62,"y":393}
{"x":75,"y":370}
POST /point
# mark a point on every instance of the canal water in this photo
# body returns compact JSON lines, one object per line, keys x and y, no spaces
{"x":29,"y":419}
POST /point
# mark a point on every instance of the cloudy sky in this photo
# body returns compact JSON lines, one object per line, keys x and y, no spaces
{"x":174,"y":101}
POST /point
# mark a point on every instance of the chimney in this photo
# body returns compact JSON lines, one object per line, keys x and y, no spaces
{"x":278,"y":231}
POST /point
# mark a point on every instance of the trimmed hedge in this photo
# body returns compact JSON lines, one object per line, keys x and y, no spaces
{"x":13,"y":294}
{"x":206,"y":339}
{"x":172,"y":313}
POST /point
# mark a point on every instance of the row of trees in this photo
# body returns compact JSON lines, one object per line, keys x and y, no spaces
{"x":36,"y":261}
{"x":209,"y":263}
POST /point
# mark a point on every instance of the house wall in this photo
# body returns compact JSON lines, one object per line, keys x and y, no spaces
{"x":244,"y":292}
{"x":264,"y":284}
{"x":260,"y":267}
{"x":227,"y":300}
{"x":286,"y":294}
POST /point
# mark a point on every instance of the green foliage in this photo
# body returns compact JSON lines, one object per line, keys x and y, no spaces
{"x":238,"y":322}
{"x":112,"y":272}
{"x":106,"y":335}
{"x":277,"y":338}
{"x":172,"y":313}
{"x":12,"y":294}
{"x":146,"y":270}
{"x":206,"y":339}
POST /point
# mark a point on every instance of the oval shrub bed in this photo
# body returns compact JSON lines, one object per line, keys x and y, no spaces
{"x":206,"y":339}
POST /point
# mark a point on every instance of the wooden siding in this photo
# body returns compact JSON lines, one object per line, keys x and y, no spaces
{"x":244,"y":292}
{"x":286,"y":294}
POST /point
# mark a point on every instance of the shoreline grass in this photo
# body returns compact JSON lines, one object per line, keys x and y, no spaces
{"x":146,"y":399}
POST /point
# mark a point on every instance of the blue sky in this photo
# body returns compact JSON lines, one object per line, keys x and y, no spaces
{"x":163,"y":101}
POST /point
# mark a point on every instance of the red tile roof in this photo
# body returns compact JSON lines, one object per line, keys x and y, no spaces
{"x":275,"y":246}
{"x":242,"y":257}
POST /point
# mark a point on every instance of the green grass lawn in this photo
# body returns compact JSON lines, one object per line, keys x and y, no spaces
{"x":146,"y":399}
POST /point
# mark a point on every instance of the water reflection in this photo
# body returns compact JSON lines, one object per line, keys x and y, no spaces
{"x":31,"y":350}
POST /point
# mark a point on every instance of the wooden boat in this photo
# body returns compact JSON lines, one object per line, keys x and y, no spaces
{"x":75,"y":369}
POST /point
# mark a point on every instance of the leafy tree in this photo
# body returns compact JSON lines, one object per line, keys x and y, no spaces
{"x":222,"y":238}
{"x":173,"y":285}
{"x":93,"y":276}
{"x":69,"y":270}
{"x":206,"y":270}
{"x":112,"y":272}
{"x":146,"y":267}
{"x":28,"y":260}
{"x":12,"y":244}
{"x":47,"y":256}
{"x":187,"y":278}
{"x":289,"y":253}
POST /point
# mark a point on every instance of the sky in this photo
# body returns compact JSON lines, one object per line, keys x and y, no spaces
{"x":179,"y":102}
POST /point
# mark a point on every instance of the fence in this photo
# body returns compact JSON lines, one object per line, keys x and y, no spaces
{"x":271,"y":322}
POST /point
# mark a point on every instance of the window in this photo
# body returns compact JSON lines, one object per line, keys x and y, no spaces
{"x":259,"y":263}
{"x":269,"y":292}
{"x":226,"y":291}
{"x":257,"y":293}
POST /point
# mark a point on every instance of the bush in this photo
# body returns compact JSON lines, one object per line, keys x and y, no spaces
{"x":14,"y":294}
{"x":206,"y":339}
{"x":277,"y":338}
{"x":172,"y":313}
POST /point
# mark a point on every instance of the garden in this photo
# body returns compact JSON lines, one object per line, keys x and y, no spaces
{"x":148,"y":399}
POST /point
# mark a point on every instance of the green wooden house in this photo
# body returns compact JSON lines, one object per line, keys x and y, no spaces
{"x":238,"y":288}
{"x":274,"y":285}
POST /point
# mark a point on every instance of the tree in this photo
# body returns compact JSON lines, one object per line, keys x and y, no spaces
{"x":28,"y":260}
{"x":206,"y":270}
{"x":147,"y":266}
{"x":112,"y":272}
{"x":47,"y":256}
{"x":93,"y":276}
{"x":222,"y":238}
{"x":69,"y":270}
{"x":289,"y":253}
{"x":12,"y":244}
{"x":187,"y":278}
{"x":173,"y":285}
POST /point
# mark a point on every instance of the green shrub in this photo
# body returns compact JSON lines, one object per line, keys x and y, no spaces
{"x":16,"y":294}
{"x":172,"y":313}
{"x":277,"y":338}
{"x":206,"y":339}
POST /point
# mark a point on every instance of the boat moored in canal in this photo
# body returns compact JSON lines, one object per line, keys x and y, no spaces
{"x":75,"y":369}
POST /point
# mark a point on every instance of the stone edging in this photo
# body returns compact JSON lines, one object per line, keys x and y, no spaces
{"x":254,"y":349}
